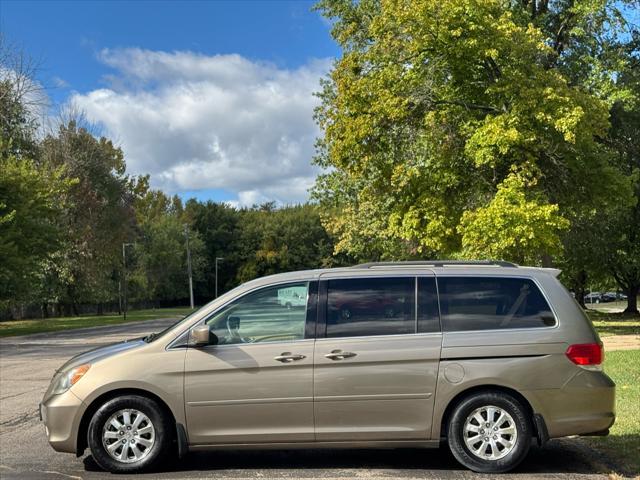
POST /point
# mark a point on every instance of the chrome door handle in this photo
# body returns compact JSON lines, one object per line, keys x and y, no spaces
{"x":288,"y":357}
{"x":339,"y":355}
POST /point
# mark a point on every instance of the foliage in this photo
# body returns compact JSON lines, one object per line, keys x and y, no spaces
{"x":512,"y":225}
{"x":433,"y":105}
{"x":98,"y":219}
{"x":621,"y":224}
{"x":256,"y":241}
{"x":280,"y":240}
{"x":160,"y":254}
{"x":31,"y":202}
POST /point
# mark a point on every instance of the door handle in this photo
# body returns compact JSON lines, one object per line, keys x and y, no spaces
{"x":339,"y":355}
{"x":288,"y":357}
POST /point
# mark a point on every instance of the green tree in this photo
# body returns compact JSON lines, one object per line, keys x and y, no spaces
{"x":281,"y":240}
{"x":512,"y":226}
{"x":160,"y":272}
{"x":99,"y":217}
{"x":218,"y":225}
{"x":434,"y":104}
{"x":622,"y":222}
{"x":31,"y":203}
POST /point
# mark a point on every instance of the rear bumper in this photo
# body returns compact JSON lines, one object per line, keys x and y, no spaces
{"x":583,"y":406}
{"x":61,"y":416}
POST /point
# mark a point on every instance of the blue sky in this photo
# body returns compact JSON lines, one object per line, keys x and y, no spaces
{"x":142,"y":72}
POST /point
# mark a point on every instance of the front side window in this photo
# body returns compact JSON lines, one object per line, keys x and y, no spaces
{"x":489,"y":303}
{"x":271,"y":314}
{"x":370,"y":306}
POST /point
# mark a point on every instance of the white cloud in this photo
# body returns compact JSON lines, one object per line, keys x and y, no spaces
{"x":200,"y":122}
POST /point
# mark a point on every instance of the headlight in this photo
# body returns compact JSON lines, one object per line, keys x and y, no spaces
{"x":65,"y":380}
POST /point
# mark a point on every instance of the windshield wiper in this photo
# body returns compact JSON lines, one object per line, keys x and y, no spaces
{"x":151,"y":337}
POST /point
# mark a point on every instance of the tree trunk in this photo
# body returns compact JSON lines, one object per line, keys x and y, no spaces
{"x":632,"y":299}
{"x":580,"y":287}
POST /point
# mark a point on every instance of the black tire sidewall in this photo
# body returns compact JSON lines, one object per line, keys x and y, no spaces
{"x":455,"y":434}
{"x":161,"y":425}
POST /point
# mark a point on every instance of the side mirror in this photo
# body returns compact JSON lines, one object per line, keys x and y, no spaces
{"x":202,"y":336}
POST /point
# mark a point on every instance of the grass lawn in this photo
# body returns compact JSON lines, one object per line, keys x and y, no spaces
{"x":26,"y":327}
{"x":623,"y":443}
{"x":608,"y":324}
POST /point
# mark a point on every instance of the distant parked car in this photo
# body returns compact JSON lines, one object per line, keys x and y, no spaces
{"x":608,"y":297}
{"x":593,"y":297}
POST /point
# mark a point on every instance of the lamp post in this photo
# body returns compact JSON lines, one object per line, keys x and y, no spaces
{"x":124,"y":276}
{"x":217,"y":259}
{"x":186,"y":232}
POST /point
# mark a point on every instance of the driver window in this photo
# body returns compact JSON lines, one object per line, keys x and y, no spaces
{"x":272,"y":314}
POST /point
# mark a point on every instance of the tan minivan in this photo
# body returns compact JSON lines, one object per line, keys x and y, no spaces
{"x":484,"y":356}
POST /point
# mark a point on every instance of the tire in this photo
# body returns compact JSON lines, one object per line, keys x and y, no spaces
{"x":507,"y":449}
{"x":144,"y":449}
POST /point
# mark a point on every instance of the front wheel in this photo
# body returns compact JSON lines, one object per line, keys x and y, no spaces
{"x":490,"y":432}
{"x":129,"y":434}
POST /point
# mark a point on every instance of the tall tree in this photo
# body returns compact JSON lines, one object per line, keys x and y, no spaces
{"x":21,"y":97}
{"x":31,"y":203}
{"x":622,"y":222}
{"x":218,"y":226}
{"x":436,"y":109}
{"x":160,"y":272}
{"x":99,"y":218}
{"x":32,"y":200}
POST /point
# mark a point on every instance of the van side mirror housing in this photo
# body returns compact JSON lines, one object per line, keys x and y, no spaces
{"x":202,"y":336}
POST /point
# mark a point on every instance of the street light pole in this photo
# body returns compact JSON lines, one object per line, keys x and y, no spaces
{"x":124,"y":276}
{"x":217,"y":259}
{"x":186,"y":232}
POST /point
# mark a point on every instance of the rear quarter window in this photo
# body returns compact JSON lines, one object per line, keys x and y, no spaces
{"x":492,"y":303}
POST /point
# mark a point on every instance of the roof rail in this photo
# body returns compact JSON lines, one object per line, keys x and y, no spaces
{"x":438,"y":263}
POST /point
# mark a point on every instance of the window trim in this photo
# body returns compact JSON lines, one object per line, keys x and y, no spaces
{"x":310,"y":316}
{"x":518,"y":277}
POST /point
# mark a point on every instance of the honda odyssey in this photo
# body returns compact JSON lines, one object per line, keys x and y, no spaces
{"x":485,"y":357}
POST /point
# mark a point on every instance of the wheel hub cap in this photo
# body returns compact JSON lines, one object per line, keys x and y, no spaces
{"x":128,"y":436}
{"x":490,"y":433}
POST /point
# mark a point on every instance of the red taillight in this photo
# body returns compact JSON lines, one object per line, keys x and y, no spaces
{"x":585,"y":354}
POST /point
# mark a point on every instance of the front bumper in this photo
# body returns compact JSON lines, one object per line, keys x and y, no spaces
{"x":61,"y":415}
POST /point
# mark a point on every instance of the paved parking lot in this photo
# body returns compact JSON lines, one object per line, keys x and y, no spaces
{"x":28,"y":363}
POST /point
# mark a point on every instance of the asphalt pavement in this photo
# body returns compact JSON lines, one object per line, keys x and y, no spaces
{"x":27,"y":364}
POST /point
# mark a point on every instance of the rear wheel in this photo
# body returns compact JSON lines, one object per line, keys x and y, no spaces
{"x":489,"y":432}
{"x":129,"y":434}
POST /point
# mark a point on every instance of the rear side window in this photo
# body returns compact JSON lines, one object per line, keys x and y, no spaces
{"x":370,"y":306}
{"x":489,"y":303}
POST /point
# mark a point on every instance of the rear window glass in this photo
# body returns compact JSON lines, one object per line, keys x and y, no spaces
{"x":488,"y":303}
{"x":370,"y":306}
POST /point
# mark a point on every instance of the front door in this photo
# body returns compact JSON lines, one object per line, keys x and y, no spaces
{"x":377,"y":365}
{"x":256,"y":385}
